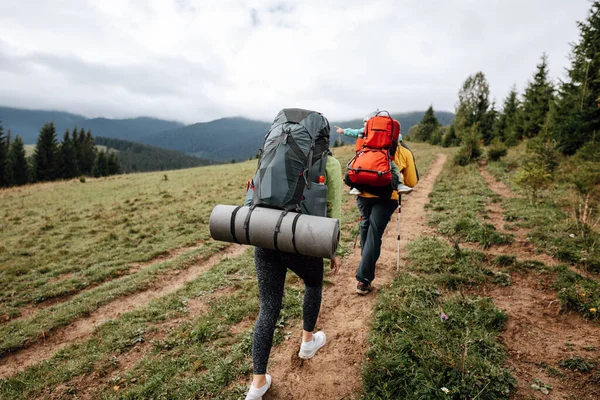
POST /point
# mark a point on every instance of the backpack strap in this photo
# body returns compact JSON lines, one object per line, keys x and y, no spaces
{"x":232,"y":224}
{"x":309,"y":162}
{"x":278,"y":228}
{"x":294,"y":231}
{"x":323,"y":164}
{"x":247,"y":223}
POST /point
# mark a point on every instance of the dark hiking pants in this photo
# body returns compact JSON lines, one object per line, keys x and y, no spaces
{"x":375,"y":214}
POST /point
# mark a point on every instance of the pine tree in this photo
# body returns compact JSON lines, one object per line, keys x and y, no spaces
{"x":473,"y":105}
{"x":488,"y":123}
{"x":114,"y":165}
{"x":536,"y":101}
{"x":81,"y":154}
{"x":428,"y":126}
{"x":4,"y":166}
{"x":46,"y":154}
{"x":68,"y":168}
{"x":449,"y":138}
{"x":76,"y":149}
{"x":506,"y":127}
{"x":88,"y":153}
{"x":100,"y":167}
{"x":577,"y":116}
{"x":18,"y":161}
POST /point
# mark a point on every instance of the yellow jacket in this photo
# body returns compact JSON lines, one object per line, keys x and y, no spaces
{"x":405,"y":161}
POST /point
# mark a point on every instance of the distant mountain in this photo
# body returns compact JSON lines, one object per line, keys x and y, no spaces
{"x":27,"y":124}
{"x":223,"y":139}
{"x":135,"y":157}
{"x":220,"y":140}
{"x":240,"y":138}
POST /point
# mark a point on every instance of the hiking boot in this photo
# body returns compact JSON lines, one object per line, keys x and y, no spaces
{"x":363,"y":288}
{"x":309,"y":349}
{"x":257,"y":394}
{"x":354,"y":191}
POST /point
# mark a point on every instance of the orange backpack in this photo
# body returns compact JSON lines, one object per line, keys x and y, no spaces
{"x":370,"y":170}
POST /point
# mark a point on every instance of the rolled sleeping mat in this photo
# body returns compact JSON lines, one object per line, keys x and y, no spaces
{"x":276,"y":229}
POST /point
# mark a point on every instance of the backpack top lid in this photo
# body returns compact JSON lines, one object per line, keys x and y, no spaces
{"x":314,"y":122}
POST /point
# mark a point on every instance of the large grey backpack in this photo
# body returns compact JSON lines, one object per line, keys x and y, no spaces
{"x":292,"y":158}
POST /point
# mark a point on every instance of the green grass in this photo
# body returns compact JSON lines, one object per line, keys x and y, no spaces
{"x":30,"y":149}
{"x":577,"y":293}
{"x":196,"y":359}
{"x":59,"y":238}
{"x":458,"y":207}
{"x":551,"y":220}
{"x":81,"y":239}
{"x":413,"y":353}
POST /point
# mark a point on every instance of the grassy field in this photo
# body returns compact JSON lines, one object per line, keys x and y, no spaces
{"x":30,"y":149}
{"x":440,"y":318}
{"x":69,"y":248}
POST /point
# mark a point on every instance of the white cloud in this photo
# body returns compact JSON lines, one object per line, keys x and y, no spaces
{"x":195,"y":60}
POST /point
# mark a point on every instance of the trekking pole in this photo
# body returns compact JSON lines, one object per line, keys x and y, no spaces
{"x":402,"y":189}
{"x":399,"y":212}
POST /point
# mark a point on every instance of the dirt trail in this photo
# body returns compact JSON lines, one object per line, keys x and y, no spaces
{"x":521,"y":247}
{"x":134,"y":267}
{"x":345,"y":317}
{"x":537,"y":335}
{"x":81,"y":328}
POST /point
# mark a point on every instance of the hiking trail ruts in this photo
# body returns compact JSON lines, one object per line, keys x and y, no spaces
{"x":536,"y":331}
{"x":81,"y":328}
{"x":522,"y":248}
{"x":335,"y":372}
{"x":134,"y":267}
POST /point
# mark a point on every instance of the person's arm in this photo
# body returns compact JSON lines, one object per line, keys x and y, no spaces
{"x":333,"y":180}
{"x":396,"y":177}
{"x":406,"y":162}
{"x":350,"y":131}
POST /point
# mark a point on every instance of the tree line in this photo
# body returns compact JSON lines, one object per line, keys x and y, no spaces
{"x":566,"y":113}
{"x":75,"y":156}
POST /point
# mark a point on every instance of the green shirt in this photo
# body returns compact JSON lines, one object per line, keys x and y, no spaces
{"x":333,"y":180}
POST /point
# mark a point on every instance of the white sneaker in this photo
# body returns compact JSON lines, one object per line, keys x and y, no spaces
{"x":355,"y":191}
{"x":257,"y":394}
{"x":309,"y":349}
{"x":403,"y":189}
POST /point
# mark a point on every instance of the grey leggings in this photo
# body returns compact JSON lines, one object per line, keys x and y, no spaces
{"x":271,"y":268}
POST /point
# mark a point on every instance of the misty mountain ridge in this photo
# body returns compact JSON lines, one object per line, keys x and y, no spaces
{"x":27,"y":124}
{"x":221,"y":140}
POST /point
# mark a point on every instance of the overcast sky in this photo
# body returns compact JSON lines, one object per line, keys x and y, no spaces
{"x":198,"y":60}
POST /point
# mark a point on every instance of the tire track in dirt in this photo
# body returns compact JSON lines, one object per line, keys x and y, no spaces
{"x":90,"y":386}
{"x":536,"y":331}
{"x":521,"y":247}
{"x":81,"y":328}
{"x":134,"y":267}
{"x":335,"y":373}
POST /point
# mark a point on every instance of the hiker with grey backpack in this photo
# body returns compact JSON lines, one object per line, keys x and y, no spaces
{"x":297,"y":174}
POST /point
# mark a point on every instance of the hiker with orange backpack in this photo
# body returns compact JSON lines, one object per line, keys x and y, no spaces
{"x":371,"y":171}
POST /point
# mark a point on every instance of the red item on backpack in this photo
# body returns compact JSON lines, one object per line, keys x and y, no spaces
{"x":382,"y":132}
{"x":371,"y":166}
